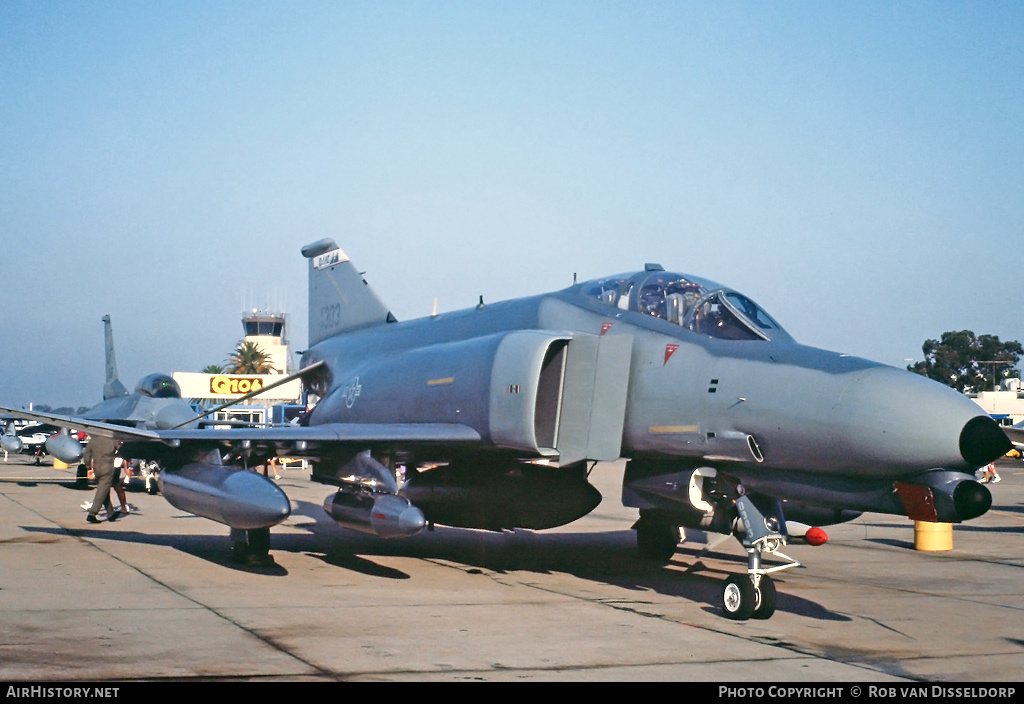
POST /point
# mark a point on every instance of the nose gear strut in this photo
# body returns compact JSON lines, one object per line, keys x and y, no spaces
{"x":754,"y":595}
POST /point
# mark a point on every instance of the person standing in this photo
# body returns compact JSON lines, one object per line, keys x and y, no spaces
{"x":100,"y":454}
{"x":991,"y":475}
{"x":119,"y":483}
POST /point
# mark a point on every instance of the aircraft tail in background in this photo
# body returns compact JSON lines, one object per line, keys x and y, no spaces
{"x":113,"y":388}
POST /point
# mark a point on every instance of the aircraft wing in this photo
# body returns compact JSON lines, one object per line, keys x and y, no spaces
{"x":93,"y":427}
{"x":1015,"y":433}
{"x":360,"y":433}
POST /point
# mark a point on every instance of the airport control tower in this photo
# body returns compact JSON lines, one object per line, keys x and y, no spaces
{"x":267,"y":331}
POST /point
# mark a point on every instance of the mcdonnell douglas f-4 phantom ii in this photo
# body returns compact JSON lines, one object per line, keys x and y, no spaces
{"x":499,"y":411}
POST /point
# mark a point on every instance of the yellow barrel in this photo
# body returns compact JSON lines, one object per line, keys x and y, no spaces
{"x":933,"y":536}
{"x":57,"y":464}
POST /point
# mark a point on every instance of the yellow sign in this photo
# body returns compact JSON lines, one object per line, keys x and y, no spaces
{"x":227,"y":385}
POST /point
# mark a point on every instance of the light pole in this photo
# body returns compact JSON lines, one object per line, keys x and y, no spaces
{"x":993,"y":363}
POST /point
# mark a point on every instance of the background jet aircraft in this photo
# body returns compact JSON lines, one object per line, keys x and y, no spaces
{"x":499,"y":412}
{"x":156,"y":403}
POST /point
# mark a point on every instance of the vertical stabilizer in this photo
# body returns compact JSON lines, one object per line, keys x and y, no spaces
{"x":113,"y":388}
{"x":339,"y":297}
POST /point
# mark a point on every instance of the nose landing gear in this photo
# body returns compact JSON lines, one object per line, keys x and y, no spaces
{"x":754,"y":595}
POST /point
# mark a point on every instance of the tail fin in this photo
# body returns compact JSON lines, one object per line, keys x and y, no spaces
{"x":113,"y":388}
{"x":339,"y":297}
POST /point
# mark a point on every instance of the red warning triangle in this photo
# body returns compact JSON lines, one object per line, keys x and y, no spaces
{"x":669,"y":351}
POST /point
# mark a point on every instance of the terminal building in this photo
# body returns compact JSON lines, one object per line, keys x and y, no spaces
{"x":1006,"y":405}
{"x":268,"y":332}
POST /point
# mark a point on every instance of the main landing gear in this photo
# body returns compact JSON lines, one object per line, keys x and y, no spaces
{"x":656,"y":539}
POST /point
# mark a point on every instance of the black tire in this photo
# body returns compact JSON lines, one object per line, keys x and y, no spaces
{"x":259,"y":541}
{"x":259,"y":547}
{"x":240,"y":553}
{"x":738,"y":597}
{"x":656,"y":540}
{"x":765,"y":596}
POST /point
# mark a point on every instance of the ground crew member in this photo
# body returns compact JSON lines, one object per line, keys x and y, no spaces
{"x":100,"y":453}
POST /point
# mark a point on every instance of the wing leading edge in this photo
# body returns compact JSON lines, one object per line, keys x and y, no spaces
{"x":360,"y":433}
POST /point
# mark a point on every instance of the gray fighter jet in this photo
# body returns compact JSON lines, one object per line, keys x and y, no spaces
{"x":498,"y":413}
{"x":156,"y":403}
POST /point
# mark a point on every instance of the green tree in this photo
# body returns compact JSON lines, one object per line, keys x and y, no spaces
{"x":964,"y":360}
{"x":213,"y":369}
{"x":248,"y":358}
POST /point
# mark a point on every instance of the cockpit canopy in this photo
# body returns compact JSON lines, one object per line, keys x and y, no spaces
{"x":688,"y":301}
{"x":159,"y":386}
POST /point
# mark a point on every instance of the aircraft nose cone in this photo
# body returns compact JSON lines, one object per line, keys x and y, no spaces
{"x":903,"y":421}
{"x":982,"y":441}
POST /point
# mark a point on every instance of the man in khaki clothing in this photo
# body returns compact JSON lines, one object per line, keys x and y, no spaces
{"x":100,"y":454}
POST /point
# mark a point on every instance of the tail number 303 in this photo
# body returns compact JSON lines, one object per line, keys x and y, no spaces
{"x":330,"y":316}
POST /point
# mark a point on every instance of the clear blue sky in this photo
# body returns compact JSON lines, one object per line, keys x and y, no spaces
{"x":856,"y":168}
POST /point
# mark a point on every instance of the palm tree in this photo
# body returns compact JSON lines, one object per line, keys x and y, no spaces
{"x":213,"y":369}
{"x":248,"y":358}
